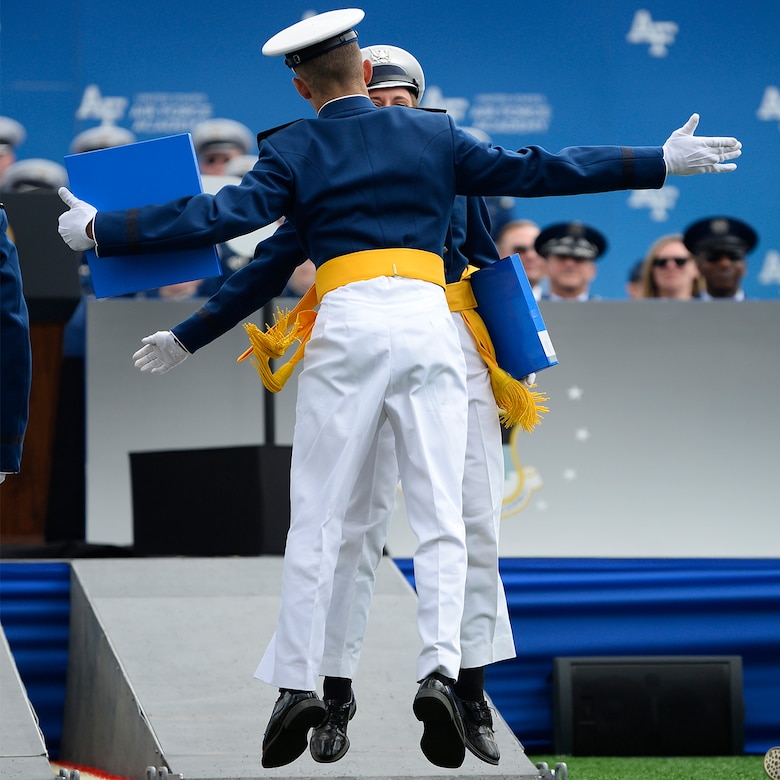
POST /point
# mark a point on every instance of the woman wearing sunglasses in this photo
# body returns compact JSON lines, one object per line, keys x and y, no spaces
{"x":670,"y":271}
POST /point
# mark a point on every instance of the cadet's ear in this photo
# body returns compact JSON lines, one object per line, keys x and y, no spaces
{"x":302,"y":88}
{"x":368,"y":71}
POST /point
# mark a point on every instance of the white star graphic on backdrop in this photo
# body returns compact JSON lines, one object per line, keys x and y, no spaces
{"x":582,"y":434}
{"x":574,"y":393}
{"x":569,"y":475}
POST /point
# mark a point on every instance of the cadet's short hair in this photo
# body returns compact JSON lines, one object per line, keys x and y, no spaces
{"x":338,"y":67}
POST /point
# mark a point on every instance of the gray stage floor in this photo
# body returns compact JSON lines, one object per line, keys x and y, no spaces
{"x":162,"y":659}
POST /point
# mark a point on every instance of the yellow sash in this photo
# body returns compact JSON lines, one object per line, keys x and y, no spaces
{"x":296,"y":325}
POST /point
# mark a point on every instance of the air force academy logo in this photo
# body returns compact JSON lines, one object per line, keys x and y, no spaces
{"x":660,"y":35}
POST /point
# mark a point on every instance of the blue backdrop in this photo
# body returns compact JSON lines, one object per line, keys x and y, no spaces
{"x":555,"y":74}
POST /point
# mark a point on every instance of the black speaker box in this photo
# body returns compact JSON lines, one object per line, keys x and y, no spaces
{"x":211,"y":502}
{"x":648,"y":706}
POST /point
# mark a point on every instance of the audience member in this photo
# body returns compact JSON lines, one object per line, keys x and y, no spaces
{"x":101,"y":137}
{"x":720,"y":245}
{"x":634,"y":280}
{"x":217,"y":141}
{"x":12,"y":134}
{"x":571,"y":250}
{"x":517,"y":237}
{"x":240,"y":165}
{"x":33,"y":174}
{"x":301,"y":280}
{"x":222,"y":147}
{"x":670,"y":271}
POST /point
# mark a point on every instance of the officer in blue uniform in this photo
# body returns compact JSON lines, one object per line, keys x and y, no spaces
{"x":571,"y":250}
{"x":370,"y":193}
{"x":15,"y":354}
{"x":720,"y":245}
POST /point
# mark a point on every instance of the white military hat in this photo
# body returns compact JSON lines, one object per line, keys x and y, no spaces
{"x":215,"y":135}
{"x":238,"y":166}
{"x":394,"y":67}
{"x":33,"y":174}
{"x":314,"y":36}
{"x":12,"y":134}
{"x":101,"y":137}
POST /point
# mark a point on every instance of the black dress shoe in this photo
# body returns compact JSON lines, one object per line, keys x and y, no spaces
{"x":286,"y":735}
{"x":478,"y":723}
{"x":329,"y":741}
{"x":443,"y":740}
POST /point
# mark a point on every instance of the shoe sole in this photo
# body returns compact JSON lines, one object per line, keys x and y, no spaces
{"x":293,"y":737}
{"x":443,"y":741}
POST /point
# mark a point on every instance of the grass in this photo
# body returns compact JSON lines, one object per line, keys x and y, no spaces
{"x":715,"y":768}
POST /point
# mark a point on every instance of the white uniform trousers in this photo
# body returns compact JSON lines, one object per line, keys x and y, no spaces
{"x":381,"y":349}
{"x":486,"y":632}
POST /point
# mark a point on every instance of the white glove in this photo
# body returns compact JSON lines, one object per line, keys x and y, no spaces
{"x":686,"y":154}
{"x":162,"y":352}
{"x":73,"y":223}
{"x":529,"y":381}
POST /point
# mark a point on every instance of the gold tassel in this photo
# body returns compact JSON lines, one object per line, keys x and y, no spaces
{"x":517,"y":404}
{"x":288,"y":327}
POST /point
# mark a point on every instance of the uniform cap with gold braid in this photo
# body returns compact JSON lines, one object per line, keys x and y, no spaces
{"x":314,"y":36}
{"x":571,"y":239}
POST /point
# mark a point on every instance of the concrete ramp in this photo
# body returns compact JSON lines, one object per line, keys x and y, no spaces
{"x":160,"y":675}
{"x":22,"y":749}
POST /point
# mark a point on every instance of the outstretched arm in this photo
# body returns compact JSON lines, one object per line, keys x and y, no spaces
{"x":242,"y":294}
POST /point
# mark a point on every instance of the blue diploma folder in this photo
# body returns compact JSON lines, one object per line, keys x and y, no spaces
{"x":134,"y":175}
{"x":511,"y":315}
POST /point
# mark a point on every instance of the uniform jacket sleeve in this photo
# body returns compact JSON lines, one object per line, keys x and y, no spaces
{"x":245,"y":291}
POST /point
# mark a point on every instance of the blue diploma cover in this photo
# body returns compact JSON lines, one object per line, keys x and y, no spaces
{"x":511,"y":315}
{"x":134,"y":175}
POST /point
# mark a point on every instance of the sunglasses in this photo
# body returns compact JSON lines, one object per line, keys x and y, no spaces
{"x":713,"y":257}
{"x":661,"y":262}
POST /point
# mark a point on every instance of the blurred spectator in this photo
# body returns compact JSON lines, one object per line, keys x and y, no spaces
{"x":634,"y":280}
{"x":720,"y":245}
{"x":670,"y":271}
{"x":222,"y":147}
{"x":33,"y":174}
{"x":301,"y":280}
{"x":101,"y":137}
{"x":517,"y":237}
{"x":571,"y":250}
{"x":217,"y":141}
{"x":12,"y":134}
{"x":240,"y":165}
{"x":15,"y":356}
